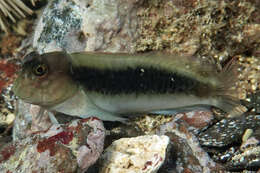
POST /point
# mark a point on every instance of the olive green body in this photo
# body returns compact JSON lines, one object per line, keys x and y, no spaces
{"x":111,"y":86}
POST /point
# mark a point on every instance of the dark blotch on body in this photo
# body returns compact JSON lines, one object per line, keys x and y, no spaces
{"x":139,"y":80}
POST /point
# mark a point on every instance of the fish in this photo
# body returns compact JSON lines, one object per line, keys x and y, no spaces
{"x":112,"y":86}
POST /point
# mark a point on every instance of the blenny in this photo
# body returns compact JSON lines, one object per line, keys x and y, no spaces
{"x":111,"y":86}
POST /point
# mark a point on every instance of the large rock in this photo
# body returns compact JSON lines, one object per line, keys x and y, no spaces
{"x":62,"y":148}
{"x":85,"y":25}
{"x":188,"y":155}
{"x":143,"y":154}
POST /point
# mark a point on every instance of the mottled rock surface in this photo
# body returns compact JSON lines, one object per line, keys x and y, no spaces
{"x":228,"y":131}
{"x":62,"y":148}
{"x":8,"y":68}
{"x":247,"y":158}
{"x":188,"y":156}
{"x":196,"y":120}
{"x":28,"y":121}
{"x":100,"y":25}
{"x":247,"y":155}
{"x":142,"y":154}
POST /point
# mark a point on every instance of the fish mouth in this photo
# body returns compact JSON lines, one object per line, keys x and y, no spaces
{"x":25,"y":99}
{"x":29,"y":100}
{"x":16,"y":90}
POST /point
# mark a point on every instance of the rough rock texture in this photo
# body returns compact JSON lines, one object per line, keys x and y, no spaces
{"x":253,"y":102}
{"x":202,"y":27}
{"x":197,"y":120}
{"x":186,"y":153}
{"x":142,"y":154}
{"x":8,"y":68}
{"x":62,"y":148}
{"x":100,"y":25}
{"x":190,"y":157}
{"x":228,"y":131}
{"x":28,"y":121}
{"x":247,"y":157}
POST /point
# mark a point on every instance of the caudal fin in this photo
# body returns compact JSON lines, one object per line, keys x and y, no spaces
{"x":226,"y":90}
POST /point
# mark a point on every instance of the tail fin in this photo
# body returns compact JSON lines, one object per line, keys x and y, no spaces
{"x":231,"y":105}
{"x":226,"y":91}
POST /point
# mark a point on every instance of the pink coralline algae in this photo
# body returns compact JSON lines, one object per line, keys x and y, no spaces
{"x":7,"y":152}
{"x":7,"y":73}
{"x":50,"y":143}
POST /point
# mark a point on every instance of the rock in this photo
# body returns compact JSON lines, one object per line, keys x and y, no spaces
{"x":203,"y":28}
{"x":33,"y":119}
{"x":228,"y":131}
{"x":247,"y":157}
{"x":253,"y":102}
{"x":28,"y":122}
{"x":198,"y":120}
{"x":100,"y":25}
{"x":186,"y":152}
{"x":62,"y":148}
{"x":188,"y":156}
{"x":234,"y":142}
{"x":8,"y":68}
{"x":94,"y":143}
{"x":139,"y":154}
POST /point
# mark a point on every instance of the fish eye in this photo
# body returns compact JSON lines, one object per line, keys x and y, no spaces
{"x":40,"y":69}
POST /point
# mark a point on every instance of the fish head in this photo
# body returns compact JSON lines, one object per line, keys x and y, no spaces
{"x":45,"y":79}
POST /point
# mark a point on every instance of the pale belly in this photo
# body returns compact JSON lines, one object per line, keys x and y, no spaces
{"x":122,"y":104}
{"x":113,"y":108}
